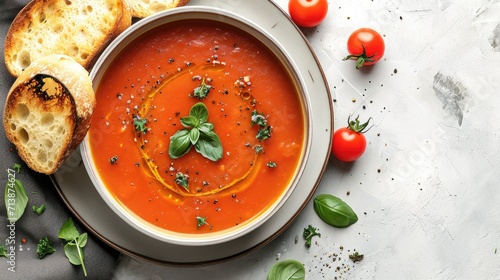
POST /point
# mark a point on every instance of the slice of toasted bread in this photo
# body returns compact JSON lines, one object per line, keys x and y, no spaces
{"x":48,"y":111}
{"x":80,"y":29}
{"x":144,"y":8}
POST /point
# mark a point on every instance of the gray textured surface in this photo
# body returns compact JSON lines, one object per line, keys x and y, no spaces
{"x":100,"y":259}
{"x":426,"y":190}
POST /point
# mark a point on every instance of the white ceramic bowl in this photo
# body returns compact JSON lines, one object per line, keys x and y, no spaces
{"x":165,"y":18}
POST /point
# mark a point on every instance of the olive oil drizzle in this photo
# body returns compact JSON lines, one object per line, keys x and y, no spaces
{"x":145,"y":108}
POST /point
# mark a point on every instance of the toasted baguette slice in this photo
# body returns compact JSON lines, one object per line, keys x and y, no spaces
{"x":80,"y":29}
{"x":144,"y":8}
{"x":48,"y":111}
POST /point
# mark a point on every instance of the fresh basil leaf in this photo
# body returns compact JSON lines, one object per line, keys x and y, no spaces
{"x":75,"y":242}
{"x":16,"y":199}
{"x":194,"y":135}
{"x":68,"y":231}
{"x":206,"y":127}
{"x":72,"y":252}
{"x":82,"y":240}
{"x":333,"y":211}
{"x":199,"y":111}
{"x":44,"y":247}
{"x":287,"y":270}
{"x":209,"y":146}
{"x":180,"y":144}
{"x":189,"y":121}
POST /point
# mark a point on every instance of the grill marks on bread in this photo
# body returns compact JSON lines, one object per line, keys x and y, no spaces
{"x":48,"y":110}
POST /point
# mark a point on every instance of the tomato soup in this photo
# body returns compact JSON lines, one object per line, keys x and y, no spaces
{"x":198,"y":127}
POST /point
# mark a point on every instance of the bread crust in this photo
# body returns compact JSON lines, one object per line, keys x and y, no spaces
{"x":74,"y":103}
{"x":142,"y":9}
{"x":80,"y":29}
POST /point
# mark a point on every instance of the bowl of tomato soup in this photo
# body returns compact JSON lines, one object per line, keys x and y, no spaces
{"x":201,"y":129}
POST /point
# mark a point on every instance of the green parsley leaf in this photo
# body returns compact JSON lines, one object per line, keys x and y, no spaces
{"x":39,"y":210}
{"x":182,"y":180}
{"x":271,"y":164}
{"x":356,"y":257}
{"x":264,"y":133}
{"x":202,"y":91}
{"x":44,"y":247}
{"x":3,"y":251}
{"x":259,"y":149}
{"x":308,"y":234}
{"x":200,"y":221}
{"x":17,"y":167}
{"x":258,"y":118}
{"x":140,"y":124}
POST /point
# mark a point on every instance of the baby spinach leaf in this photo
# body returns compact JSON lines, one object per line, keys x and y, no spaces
{"x":15,"y":198}
{"x":287,"y":270}
{"x":333,"y":211}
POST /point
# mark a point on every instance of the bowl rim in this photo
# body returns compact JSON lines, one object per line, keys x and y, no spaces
{"x":222,"y":16}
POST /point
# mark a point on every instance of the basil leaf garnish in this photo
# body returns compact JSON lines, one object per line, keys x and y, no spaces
{"x":180,"y":144}
{"x":194,"y":135}
{"x":189,"y":121}
{"x":15,"y":198}
{"x":209,"y":145}
{"x":200,"y":112}
{"x":333,"y":211}
{"x":287,"y":269}
{"x":201,"y":136}
{"x":206,"y":127}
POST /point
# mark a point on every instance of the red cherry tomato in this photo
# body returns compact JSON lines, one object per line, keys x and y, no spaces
{"x":366,"y":46}
{"x":308,"y":13}
{"x":349,"y":143}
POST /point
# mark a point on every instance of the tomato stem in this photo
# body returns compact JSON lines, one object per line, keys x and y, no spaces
{"x":356,"y":126}
{"x":361,"y":58}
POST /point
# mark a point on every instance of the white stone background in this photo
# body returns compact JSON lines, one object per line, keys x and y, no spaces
{"x":427,"y":190}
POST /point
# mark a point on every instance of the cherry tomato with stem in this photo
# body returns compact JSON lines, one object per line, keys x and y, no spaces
{"x":366,"y":46}
{"x":349,"y":143}
{"x":308,"y":13}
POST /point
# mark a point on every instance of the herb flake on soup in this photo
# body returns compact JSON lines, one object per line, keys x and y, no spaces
{"x":207,"y":125}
